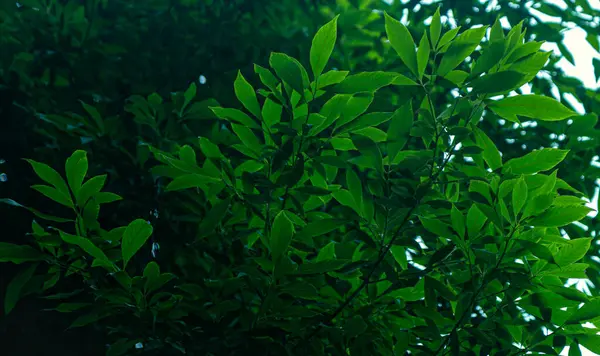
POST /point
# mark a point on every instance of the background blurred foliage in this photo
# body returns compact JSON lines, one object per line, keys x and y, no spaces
{"x":57,"y":54}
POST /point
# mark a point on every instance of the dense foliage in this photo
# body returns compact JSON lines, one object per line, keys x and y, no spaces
{"x":353,"y":192}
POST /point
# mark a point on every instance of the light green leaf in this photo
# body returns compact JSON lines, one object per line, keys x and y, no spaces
{"x":90,"y":189}
{"x":423,"y":55}
{"x":402,"y":41}
{"x":590,"y":310}
{"x":497,"y":33}
{"x":271,"y":112}
{"x":436,"y":227}
{"x":460,"y":48}
{"x":331,"y":77}
{"x":490,"y":153}
{"x":282,"y":231}
{"x":54,"y":194}
{"x":246,"y":95}
{"x":447,"y":37}
{"x":557,"y":216}
{"x":13,"y":290}
{"x":322,"y":46}
{"x":19,"y":253}
{"x":354,"y":107}
{"x":435,"y":29}
{"x":49,"y":175}
{"x":572,"y":251}
{"x":247,"y":137}
{"x":519,"y":195}
{"x":533,"y":106}
{"x":536,"y":161}
{"x":368,"y":120}
{"x":134,"y":237}
{"x":76,"y":168}
{"x":266,"y":77}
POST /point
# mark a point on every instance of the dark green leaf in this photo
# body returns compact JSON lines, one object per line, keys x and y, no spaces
{"x":13,"y":290}
{"x":246,"y":95}
{"x":134,"y":237}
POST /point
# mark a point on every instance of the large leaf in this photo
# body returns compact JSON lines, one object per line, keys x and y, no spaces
{"x":76,"y":168}
{"x":322,"y":46}
{"x":85,"y":244}
{"x":134,"y":237}
{"x":402,"y":41}
{"x":49,"y":175}
{"x":365,"y":82}
{"x":557,"y":216}
{"x":536,"y":161}
{"x":572,"y":251}
{"x":19,"y":253}
{"x":399,"y":130}
{"x":533,"y":106}
{"x":460,"y":48}
{"x":490,"y":153}
{"x":288,"y":70}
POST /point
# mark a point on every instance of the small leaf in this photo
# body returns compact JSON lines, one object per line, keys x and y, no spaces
{"x":355,"y":326}
{"x":235,"y":116}
{"x":85,"y":244}
{"x":460,"y":48}
{"x":246,"y":95}
{"x":491,"y":155}
{"x":214,"y":217}
{"x":399,"y":130}
{"x":322,"y":46}
{"x":447,"y":37}
{"x":188,"y":96}
{"x":458,"y":221}
{"x":13,"y":290}
{"x":536,"y":161}
{"x":490,"y":57}
{"x":209,"y":149}
{"x":590,"y":310}
{"x":89,"y":189}
{"x":49,"y":175}
{"x":76,"y":168}
{"x":282,"y":231}
{"x":134,"y":237}
{"x":399,"y":253}
{"x":318,"y":228}
{"x":423,"y":55}
{"x":475,"y":221}
{"x":187,"y":181}
{"x":533,"y":106}
{"x":54,"y":194}
{"x":402,"y":41}
{"x":365,"y":82}
{"x":497,"y":83}
{"x":519,"y":195}
{"x":435,"y":29}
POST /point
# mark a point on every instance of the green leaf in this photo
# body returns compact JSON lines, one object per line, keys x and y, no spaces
{"x":572,"y":251}
{"x":188,"y":96}
{"x":557,"y":216}
{"x":458,"y":221}
{"x":282,"y":231}
{"x":85,"y":244}
{"x":490,"y":154}
{"x":49,"y":175}
{"x":402,"y":41}
{"x":54,"y":194}
{"x":447,"y":37}
{"x":246,"y":95}
{"x":318,"y":228}
{"x":399,"y":253}
{"x":89,"y":189}
{"x":355,"y":326}
{"x":267,"y":77}
{"x":247,"y":137}
{"x":399,"y":130}
{"x":35,"y":212}
{"x":423,"y":55}
{"x":94,"y":114}
{"x":326,"y":253}
{"x":590,"y":310}
{"x":134,"y":237}
{"x":460,"y":48}
{"x":365,"y":82}
{"x":590,"y":342}
{"x":475,"y":221}
{"x":106,"y":197}
{"x":187,"y":181}
{"x":519,"y":195}
{"x":538,"y":250}
{"x":235,"y":116}
{"x":70,"y":307}
{"x":331,"y":77}
{"x":435,"y":29}
{"x":209,"y":149}
{"x":436,"y":227}
{"x":321,"y":267}
{"x":365,"y":121}
{"x":355,"y":188}
{"x":19,"y":253}
{"x":533,"y":106}
{"x":497,"y":33}
{"x":536,"y":161}
{"x":490,"y":57}
{"x":14,"y":288}
{"x":288,"y":70}
{"x":322,"y":46}
{"x":214,"y":217}
{"x":76,"y":168}
{"x":497,"y":83}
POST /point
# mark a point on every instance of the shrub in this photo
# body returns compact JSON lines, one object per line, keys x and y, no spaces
{"x":319,"y":220}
